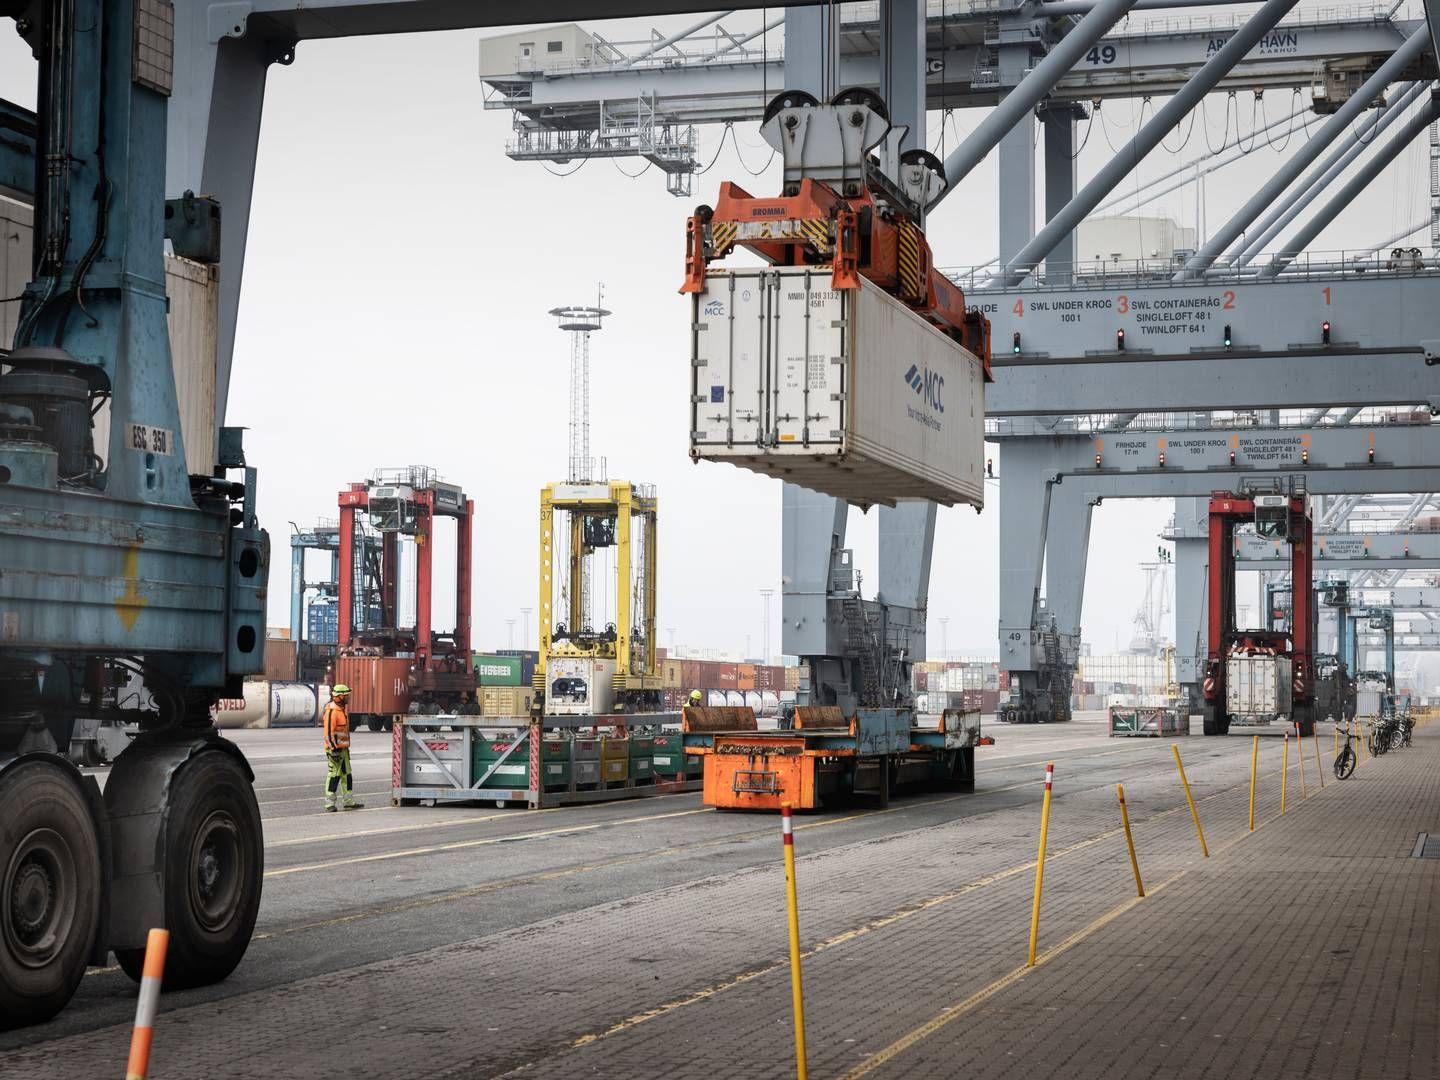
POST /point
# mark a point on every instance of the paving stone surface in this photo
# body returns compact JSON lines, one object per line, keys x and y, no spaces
{"x":1309,"y":947}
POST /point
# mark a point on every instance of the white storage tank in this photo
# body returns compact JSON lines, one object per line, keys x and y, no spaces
{"x":845,"y":391}
{"x":272,"y":704}
{"x":296,"y":704}
{"x":243,"y":712}
{"x":715,"y":699}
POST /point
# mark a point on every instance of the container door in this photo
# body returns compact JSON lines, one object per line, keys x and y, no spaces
{"x":730,"y":360}
{"x":809,"y":359}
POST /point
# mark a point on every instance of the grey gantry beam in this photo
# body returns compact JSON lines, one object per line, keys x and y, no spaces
{"x":1146,"y":139}
{"x":1377,"y":162}
{"x":1073,"y":358}
{"x":1399,"y":65}
{"x":1021,"y":101}
{"x":1346,"y":551}
{"x":315,"y":19}
{"x":1302,"y":380}
{"x":723,"y":82}
{"x":1352,"y":145}
{"x":1224,"y":458}
{"x":1428,"y":642}
{"x":1326,"y":461}
{"x":1402,"y":598}
{"x":1432,"y":19}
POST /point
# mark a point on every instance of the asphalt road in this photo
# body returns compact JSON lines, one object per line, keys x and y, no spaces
{"x":348,"y":894}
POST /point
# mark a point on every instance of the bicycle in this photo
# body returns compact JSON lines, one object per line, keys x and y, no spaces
{"x":1404,"y":732}
{"x":1345,"y":760}
{"x":1382,"y":732}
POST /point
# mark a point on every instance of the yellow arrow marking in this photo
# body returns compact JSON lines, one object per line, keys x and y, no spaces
{"x":129,"y":605}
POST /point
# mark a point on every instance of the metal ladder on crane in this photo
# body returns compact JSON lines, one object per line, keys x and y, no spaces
{"x":861,"y":644}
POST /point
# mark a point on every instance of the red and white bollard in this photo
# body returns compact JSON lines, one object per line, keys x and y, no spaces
{"x":150,"y":979}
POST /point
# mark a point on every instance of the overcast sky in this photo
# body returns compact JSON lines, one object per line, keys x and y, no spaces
{"x":394,"y":312}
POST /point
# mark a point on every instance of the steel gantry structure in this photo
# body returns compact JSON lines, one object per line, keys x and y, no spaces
{"x":1216,"y":342}
{"x":136,"y":100}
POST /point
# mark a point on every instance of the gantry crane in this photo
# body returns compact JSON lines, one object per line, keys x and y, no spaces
{"x":587,"y":666}
{"x":117,"y":558}
{"x":1284,"y":518}
{"x":400,"y":503}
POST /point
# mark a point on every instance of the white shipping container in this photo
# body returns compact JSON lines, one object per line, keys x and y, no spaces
{"x":1367,"y":702}
{"x":1258,"y":686}
{"x":579,"y":686}
{"x":845,"y":391}
{"x":194,"y":293}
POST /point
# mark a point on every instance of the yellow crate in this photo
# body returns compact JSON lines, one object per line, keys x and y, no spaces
{"x":506,"y":700}
{"x":614,"y":769}
{"x":612,"y":749}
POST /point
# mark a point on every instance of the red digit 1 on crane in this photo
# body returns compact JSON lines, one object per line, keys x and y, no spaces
{"x":1326,"y":292}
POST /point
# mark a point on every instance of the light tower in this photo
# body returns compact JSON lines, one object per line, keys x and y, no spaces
{"x":765,"y":595}
{"x":580,"y":322}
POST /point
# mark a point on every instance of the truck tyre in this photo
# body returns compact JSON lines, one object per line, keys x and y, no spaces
{"x":1305,"y":722}
{"x":962,"y":769}
{"x":214,"y":866}
{"x":1216,"y":722}
{"x":49,"y":891}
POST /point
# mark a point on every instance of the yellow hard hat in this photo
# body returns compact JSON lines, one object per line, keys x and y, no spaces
{"x":340,"y":691}
{"x":694,"y":695}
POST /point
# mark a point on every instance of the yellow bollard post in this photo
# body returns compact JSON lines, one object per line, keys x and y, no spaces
{"x":1190,"y":799}
{"x":1284,"y":773}
{"x":797,"y":990}
{"x":151,"y":975}
{"x":1336,"y":738}
{"x":1319,"y":767}
{"x":1040,"y":864}
{"x":1254,"y":762}
{"x":1300,"y":755}
{"x":1130,"y":840}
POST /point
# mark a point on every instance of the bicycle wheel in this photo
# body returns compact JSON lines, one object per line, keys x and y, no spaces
{"x":1344,"y":762}
{"x":1397,"y":737}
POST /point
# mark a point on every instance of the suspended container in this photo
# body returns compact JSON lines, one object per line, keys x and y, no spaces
{"x":844,"y":391}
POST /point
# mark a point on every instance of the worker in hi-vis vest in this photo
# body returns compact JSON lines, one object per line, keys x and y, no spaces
{"x":336,"y":722}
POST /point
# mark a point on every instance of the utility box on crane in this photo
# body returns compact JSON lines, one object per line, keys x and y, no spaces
{"x":398,"y":505}
{"x":598,"y":549}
